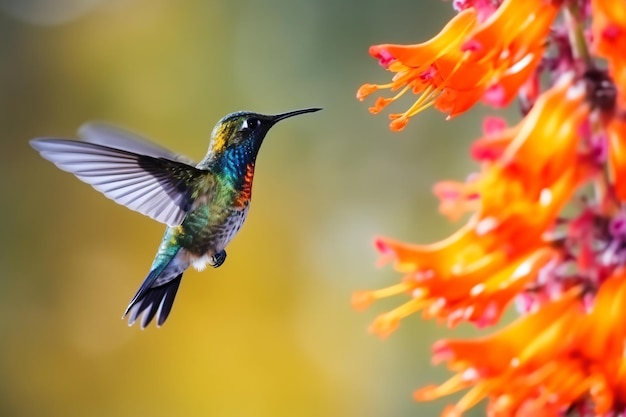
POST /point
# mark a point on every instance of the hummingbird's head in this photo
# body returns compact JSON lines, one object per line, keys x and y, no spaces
{"x":245,"y":131}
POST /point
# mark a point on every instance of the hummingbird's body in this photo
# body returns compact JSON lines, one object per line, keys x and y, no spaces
{"x":204,"y":205}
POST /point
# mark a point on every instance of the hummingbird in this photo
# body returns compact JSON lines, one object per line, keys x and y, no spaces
{"x":203,"y":205}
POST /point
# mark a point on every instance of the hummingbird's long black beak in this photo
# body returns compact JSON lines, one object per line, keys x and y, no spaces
{"x":282,"y":116}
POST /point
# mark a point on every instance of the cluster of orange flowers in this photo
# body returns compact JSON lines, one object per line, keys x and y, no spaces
{"x":565,"y":354}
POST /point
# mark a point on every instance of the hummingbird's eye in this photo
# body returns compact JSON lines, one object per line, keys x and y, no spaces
{"x":250,"y":124}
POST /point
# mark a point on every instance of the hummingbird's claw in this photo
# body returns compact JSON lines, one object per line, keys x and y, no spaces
{"x":218,"y":259}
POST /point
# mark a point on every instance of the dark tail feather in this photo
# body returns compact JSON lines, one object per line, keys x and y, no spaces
{"x":153,"y":301}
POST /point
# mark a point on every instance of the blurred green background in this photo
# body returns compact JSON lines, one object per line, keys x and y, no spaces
{"x":271,"y":333}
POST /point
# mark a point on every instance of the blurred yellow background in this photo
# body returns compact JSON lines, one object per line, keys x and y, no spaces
{"x":270,"y":333}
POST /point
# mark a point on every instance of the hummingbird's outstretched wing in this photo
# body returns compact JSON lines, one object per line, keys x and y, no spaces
{"x":155,"y":186}
{"x":115,"y":137}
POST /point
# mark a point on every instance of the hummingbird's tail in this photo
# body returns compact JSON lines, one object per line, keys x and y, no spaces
{"x":156,"y":295}
{"x":154,"y":301}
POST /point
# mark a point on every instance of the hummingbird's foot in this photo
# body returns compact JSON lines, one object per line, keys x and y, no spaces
{"x":218,"y":259}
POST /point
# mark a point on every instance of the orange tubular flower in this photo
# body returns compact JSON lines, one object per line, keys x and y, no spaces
{"x":565,"y":270}
{"x":609,"y":39}
{"x":616,"y":132}
{"x":474,"y":274}
{"x":468,"y":60}
{"x":609,"y":42}
{"x":545,"y":361}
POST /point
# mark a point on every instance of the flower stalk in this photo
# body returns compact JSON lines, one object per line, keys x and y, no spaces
{"x":537,"y":237}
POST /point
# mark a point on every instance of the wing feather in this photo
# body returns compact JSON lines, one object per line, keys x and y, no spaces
{"x":115,"y":137}
{"x":151,"y":184}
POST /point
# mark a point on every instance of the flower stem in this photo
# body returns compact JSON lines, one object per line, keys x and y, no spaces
{"x":577,"y":36}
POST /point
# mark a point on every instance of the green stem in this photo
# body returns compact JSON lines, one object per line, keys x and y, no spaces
{"x":577,"y":35}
